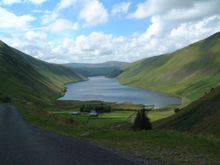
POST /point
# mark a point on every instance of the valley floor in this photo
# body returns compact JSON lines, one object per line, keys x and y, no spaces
{"x":22,"y":144}
{"x":163,"y":146}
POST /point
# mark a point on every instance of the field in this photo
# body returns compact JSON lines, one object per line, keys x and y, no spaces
{"x":103,"y":120}
{"x":113,"y":130}
{"x":120,"y":113}
{"x":191,"y":72}
{"x":107,"y":119}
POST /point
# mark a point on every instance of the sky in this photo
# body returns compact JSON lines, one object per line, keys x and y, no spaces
{"x":95,"y":31}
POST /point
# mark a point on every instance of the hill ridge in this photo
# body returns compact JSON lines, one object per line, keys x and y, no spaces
{"x":200,"y":117}
{"x":188,"y":72}
{"x":23,"y":75}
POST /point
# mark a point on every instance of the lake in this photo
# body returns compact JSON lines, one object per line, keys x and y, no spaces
{"x":110,"y":90}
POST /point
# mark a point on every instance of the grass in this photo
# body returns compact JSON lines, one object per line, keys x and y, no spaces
{"x":162,"y":145}
{"x":167,"y":146}
{"x":75,"y":105}
{"x":189,"y":72}
{"x":107,"y":119}
{"x":122,"y":112}
{"x":200,"y":117}
{"x":114,"y":130}
{"x":160,"y":114}
{"x":26,"y":78}
{"x":34,"y":85}
{"x":103,"y":120}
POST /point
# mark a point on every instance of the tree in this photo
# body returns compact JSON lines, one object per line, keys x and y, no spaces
{"x":177,"y":110}
{"x":82,"y":108}
{"x":142,"y":122}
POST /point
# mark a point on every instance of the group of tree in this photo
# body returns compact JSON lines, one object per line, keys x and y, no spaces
{"x":98,"y":108}
{"x":142,"y":122}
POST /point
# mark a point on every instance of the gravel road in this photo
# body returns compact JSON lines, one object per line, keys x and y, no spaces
{"x":23,"y":144}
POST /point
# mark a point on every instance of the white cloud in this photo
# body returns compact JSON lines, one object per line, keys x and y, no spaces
{"x":49,"y":17}
{"x":63,"y":4}
{"x":37,"y":2}
{"x":10,"y":20}
{"x":93,"y":13}
{"x":62,"y":24}
{"x":120,"y":8}
{"x":34,"y":35}
{"x":41,"y":11}
{"x":99,"y":47}
{"x":10,"y":2}
{"x":194,"y":8}
{"x":34,"y":43}
{"x":168,"y":31}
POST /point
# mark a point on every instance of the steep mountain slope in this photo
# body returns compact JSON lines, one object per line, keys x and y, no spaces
{"x":22,"y":76}
{"x":111,"y":68}
{"x":188,"y":72}
{"x":200,"y":117}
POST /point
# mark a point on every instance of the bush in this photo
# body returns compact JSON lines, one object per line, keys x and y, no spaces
{"x":98,"y":108}
{"x":142,"y":122}
{"x":176,"y":110}
{"x":5,"y":99}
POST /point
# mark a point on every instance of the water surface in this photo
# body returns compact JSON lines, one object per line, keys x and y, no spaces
{"x":110,"y":90}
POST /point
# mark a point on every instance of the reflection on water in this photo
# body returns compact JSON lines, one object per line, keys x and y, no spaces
{"x":105,"y":89}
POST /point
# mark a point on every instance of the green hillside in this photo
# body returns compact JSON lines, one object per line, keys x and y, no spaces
{"x":108,"y":69}
{"x":200,"y":117}
{"x":188,"y":72}
{"x":24,"y":77}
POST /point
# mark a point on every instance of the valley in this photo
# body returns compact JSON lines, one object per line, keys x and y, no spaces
{"x":101,"y":82}
{"x":189,"y":135}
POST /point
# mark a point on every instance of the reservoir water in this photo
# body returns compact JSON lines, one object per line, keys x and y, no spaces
{"x":110,"y":90}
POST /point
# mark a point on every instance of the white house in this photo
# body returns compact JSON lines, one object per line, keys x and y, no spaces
{"x":93,"y":113}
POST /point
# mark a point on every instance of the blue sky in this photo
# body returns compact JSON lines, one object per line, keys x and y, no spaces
{"x":62,"y":31}
{"x":116,"y":25}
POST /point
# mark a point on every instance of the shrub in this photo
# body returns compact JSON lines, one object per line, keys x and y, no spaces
{"x":98,"y":108}
{"x":5,"y":99}
{"x":142,"y":122}
{"x":176,"y":110}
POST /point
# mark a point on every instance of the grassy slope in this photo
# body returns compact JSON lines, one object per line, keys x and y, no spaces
{"x":109,"y":69}
{"x":24,"y":76}
{"x":170,"y":147}
{"x":188,"y":72}
{"x":200,"y":117}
